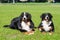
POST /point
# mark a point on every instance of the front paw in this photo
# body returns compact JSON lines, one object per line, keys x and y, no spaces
{"x":29,"y":33}
{"x":28,"y":23}
{"x":39,"y":29}
{"x":50,"y":33}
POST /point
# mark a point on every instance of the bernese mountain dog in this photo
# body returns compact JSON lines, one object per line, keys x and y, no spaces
{"x":23,"y":23}
{"x":46,"y":24}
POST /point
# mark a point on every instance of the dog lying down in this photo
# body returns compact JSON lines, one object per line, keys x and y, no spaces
{"x":23,"y":23}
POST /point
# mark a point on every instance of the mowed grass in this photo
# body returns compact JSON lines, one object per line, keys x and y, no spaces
{"x":9,"y":11}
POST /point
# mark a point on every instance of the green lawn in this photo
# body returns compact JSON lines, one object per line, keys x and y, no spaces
{"x":9,"y":11}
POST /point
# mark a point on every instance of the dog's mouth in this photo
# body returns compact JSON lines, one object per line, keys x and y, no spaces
{"x":47,"y":20}
{"x":25,"y":20}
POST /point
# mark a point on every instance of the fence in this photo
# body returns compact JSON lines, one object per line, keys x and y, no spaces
{"x":15,"y":1}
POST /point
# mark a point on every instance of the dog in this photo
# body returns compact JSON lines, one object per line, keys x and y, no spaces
{"x":46,"y":24}
{"x":23,"y":23}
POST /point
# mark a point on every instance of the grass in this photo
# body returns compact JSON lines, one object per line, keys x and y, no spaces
{"x":9,"y":11}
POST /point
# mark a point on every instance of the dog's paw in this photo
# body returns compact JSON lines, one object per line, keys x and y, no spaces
{"x":31,"y":33}
{"x":50,"y":33}
{"x":39,"y":29}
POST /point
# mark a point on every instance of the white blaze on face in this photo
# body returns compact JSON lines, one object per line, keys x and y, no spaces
{"x":46,"y":16}
{"x":46,"y":25}
{"x":24,"y":15}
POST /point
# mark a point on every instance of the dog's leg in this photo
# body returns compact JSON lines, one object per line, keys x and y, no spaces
{"x":29,"y":33}
{"x":28,"y":23}
{"x":43,"y":32}
{"x":50,"y":32}
{"x":40,"y":29}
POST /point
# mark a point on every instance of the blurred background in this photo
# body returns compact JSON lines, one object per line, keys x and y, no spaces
{"x":23,"y":1}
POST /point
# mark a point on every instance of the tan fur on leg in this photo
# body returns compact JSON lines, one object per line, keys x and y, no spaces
{"x":50,"y":33}
{"x":40,"y":28}
{"x":43,"y":33}
{"x":29,"y":33}
{"x":28,"y":23}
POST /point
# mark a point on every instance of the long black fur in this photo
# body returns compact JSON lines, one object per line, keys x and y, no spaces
{"x":50,"y":19}
{"x":16,"y":22}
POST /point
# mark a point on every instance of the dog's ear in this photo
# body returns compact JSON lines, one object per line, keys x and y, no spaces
{"x":43,"y":14}
{"x":28,"y":15}
{"x":50,"y":15}
{"x":21,"y":15}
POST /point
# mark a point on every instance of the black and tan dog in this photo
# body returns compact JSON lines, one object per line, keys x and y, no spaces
{"x":23,"y":23}
{"x":46,"y":24}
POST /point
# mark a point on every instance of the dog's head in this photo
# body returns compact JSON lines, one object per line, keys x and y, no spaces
{"x":25,"y":16}
{"x":46,"y":16}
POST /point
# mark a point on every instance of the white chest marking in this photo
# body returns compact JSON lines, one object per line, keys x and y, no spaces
{"x":46,"y":25}
{"x":25,"y":26}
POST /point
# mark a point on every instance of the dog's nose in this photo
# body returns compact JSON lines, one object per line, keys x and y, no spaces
{"x":24,"y":18}
{"x":47,"y":17}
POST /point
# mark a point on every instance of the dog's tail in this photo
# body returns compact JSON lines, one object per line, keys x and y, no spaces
{"x":6,"y":25}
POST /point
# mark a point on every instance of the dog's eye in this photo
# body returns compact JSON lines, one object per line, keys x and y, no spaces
{"x":22,"y":16}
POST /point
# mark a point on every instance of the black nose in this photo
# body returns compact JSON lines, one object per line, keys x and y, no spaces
{"x":47,"y":17}
{"x":24,"y":18}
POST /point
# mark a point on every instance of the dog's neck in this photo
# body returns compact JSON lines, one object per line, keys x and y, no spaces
{"x":46,"y":22}
{"x":46,"y":25}
{"x":26,"y":21}
{"x":25,"y":26}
